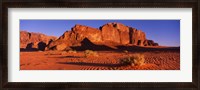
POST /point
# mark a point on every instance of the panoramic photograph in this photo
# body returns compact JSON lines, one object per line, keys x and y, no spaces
{"x":99,"y":44}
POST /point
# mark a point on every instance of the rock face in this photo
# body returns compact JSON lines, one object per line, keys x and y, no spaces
{"x":34,"y":41}
{"x":111,"y":34}
{"x":115,"y":32}
{"x":75,"y":36}
{"x":137,"y":37}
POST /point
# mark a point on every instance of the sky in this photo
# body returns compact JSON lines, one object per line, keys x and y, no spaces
{"x":164,"y":32}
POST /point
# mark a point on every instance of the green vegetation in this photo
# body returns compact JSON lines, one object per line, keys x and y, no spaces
{"x":125,"y":51}
{"x":72,"y":51}
{"x":134,"y":60}
{"x":90,"y":53}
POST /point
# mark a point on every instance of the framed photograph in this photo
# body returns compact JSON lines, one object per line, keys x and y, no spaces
{"x":100,"y":44}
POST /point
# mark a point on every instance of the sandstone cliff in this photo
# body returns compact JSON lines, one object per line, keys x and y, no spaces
{"x":109,"y":35}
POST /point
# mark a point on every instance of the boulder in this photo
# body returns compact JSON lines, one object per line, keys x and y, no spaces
{"x":61,"y":46}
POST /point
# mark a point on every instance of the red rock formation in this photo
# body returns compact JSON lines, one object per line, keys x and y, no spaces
{"x":115,"y":32}
{"x":150,"y":43}
{"x":111,"y":34}
{"x":74,"y":37}
{"x":32,"y":40}
{"x":137,"y":37}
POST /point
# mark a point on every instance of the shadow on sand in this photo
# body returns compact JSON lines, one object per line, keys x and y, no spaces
{"x":87,"y":44}
{"x":69,"y":57}
{"x":148,"y":49}
{"x":91,"y":64}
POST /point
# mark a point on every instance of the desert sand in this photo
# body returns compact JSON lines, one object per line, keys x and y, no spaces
{"x":156,"y":58}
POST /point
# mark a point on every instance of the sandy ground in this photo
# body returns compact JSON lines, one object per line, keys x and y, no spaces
{"x":106,"y":60}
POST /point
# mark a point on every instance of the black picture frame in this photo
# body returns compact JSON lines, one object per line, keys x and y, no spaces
{"x":194,"y":4}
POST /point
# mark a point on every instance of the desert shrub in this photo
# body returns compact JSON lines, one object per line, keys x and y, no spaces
{"x":134,"y":60}
{"x":63,"y":52}
{"x":40,"y":51}
{"x":72,"y":51}
{"x":90,"y":53}
{"x":125,"y":51}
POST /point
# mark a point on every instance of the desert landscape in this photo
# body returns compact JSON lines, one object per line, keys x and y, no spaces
{"x":112,"y":46}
